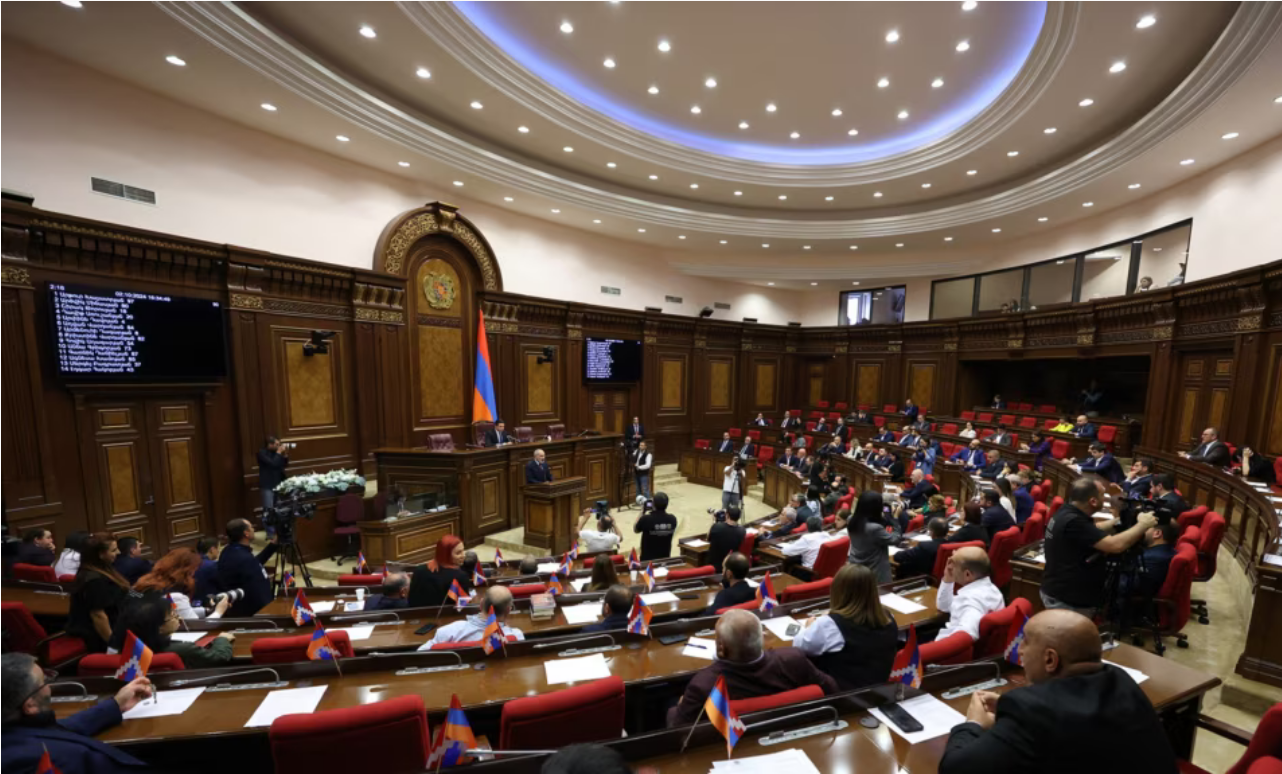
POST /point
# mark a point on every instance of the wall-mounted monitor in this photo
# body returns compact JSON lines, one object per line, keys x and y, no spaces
{"x":611,"y":360}
{"x":108,"y":335}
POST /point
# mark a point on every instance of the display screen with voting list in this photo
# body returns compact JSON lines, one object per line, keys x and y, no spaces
{"x":611,"y":360}
{"x":105,"y":334}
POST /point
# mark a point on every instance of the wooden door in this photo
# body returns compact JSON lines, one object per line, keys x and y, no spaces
{"x":609,"y":410}
{"x":1202,"y":387}
{"x":815,"y":383}
{"x":179,"y":483}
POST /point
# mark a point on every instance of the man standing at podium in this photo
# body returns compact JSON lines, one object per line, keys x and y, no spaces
{"x":537,"y":470}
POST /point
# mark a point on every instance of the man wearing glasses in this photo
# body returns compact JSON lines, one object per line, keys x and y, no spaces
{"x":30,"y":727}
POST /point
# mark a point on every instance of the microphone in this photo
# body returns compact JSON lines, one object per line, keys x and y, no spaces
{"x":966,"y":690}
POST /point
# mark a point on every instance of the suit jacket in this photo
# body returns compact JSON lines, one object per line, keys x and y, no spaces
{"x":132,"y":567}
{"x":842,"y":432}
{"x":790,"y":422}
{"x":70,"y":743}
{"x":238,"y":568}
{"x":749,"y":450}
{"x":493,"y":438}
{"x":732,"y":595}
{"x":992,"y":470}
{"x":789,"y":460}
{"x":911,"y":412}
{"x":918,"y":560}
{"x":725,"y":445}
{"x":380,"y":602}
{"x":884,"y":437}
{"x":536,"y":473}
{"x":1099,"y":722}
{"x":635,"y":432}
{"x":1003,"y":439}
{"x":909,"y":438}
{"x":999,"y":405}
{"x":609,"y":623}
{"x":30,"y":553}
{"x":1140,"y":487}
{"x":763,"y":422}
{"x":1087,"y":430}
{"x":1105,"y":467}
{"x":206,"y":578}
{"x":917,"y":495}
{"x":778,"y":670}
{"x":1214,"y":453}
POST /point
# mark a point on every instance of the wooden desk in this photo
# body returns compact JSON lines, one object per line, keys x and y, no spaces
{"x":780,"y":485}
{"x":410,"y":538}
{"x":42,"y":602}
{"x":707,"y":467}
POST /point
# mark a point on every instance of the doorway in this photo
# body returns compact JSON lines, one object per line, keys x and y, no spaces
{"x":609,"y":410}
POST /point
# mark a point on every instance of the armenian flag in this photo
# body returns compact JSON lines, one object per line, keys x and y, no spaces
{"x":717,"y":705}
{"x":633,"y":562}
{"x":492,"y":638}
{"x":649,"y":576}
{"x":639,"y":618}
{"x":1012,"y":647}
{"x":485,"y":407}
{"x":766,"y":599}
{"x":361,"y":567}
{"x":135,"y":658}
{"x":452,"y":739}
{"x":907,"y":666}
{"x":554,"y":585}
{"x":301,"y":611}
{"x":45,"y":766}
{"x":320,"y":648}
{"x":478,"y":577}
{"x":457,"y":594}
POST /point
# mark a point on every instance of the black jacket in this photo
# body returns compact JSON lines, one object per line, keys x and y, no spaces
{"x":723,"y":539}
{"x":991,"y":470}
{"x":380,"y":602}
{"x":918,"y":560}
{"x":30,"y":553}
{"x":429,"y":588}
{"x":609,"y":623}
{"x":733,"y":595}
{"x":132,"y":567}
{"x":967,"y":533}
{"x":536,"y":473}
{"x":634,"y":432}
{"x":1099,"y":722}
{"x":238,"y":568}
{"x":492,"y":437}
{"x":271,"y":468}
{"x":1214,"y":453}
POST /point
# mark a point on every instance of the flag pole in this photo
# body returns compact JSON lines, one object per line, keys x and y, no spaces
{"x":702,"y":708}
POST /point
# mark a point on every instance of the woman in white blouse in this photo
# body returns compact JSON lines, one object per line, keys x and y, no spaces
{"x":968,"y":431}
{"x":69,"y":560}
{"x":857,"y":640}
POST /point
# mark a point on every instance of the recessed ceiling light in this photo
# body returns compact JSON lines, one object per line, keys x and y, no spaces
{"x":937,"y":83}
{"x":568,"y":149}
{"x":508,"y":199}
{"x":765,"y":244}
{"x":1229,"y":136}
{"x":342,"y":138}
{"x":711,"y":83}
{"x":653,"y":89}
{"x":640,"y":231}
{"x":892,"y":36}
{"x":883,"y":83}
{"x":476,"y":105}
{"x":611,"y":164}
{"x":783,"y":197}
{"x":743,"y":124}
{"x":694,"y":185}
{"x":899,"y":244}
{"x":853,"y":132}
{"x":1043,"y":219}
{"x":877,"y":195}
{"x":828,"y":198}
{"x":963,"y":46}
{"x":403,"y":163}
{"x":72,"y":3}
{"x":368,"y":31}
{"x":1157,"y":249}
{"x":1012,"y":154}
{"x":771,"y":284}
{"x":1088,"y":204}
{"x":681,"y":236}
{"x":795,"y":135}
{"x":1133,"y":186}
{"x":738,"y":193}
{"x":458,"y":183}
{"x":176,"y":61}
{"x":813,"y":284}
{"x":269,"y":107}
{"x":771,"y":107}
{"x":1186,"y":162}
{"x":556,"y":212}
{"x":696,"y":109}
{"x":925,"y":185}
{"x":969,"y":5}
{"x":1277,"y":100}
{"x":596,"y":220}
{"x":724,"y":242}
{"x":1146,"y":21}
{"x":805,"y":247}
{"x":997,"y":231}
{"x":423,"y":73}
{"x":566,"y":27}
{"x":665,"y":46}
{"x":609,"y":63}
{"x":1117,"y":67}
{"x":836,"y":112}
{"x":972,"y":172}
{"x":903,"y":114}
{"x":1086,"y":102}
{"x":948,"y":239}
{"x":523,"y":129}
{"x":854,"y":247}
{"x":1049,"y":130}
{"x":654,"y":177}
{"x":854,"y":283}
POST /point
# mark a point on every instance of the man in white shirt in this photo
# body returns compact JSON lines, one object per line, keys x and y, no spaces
{"x":605,"y":538}
{"x":642,"y":463}
{"x":497,"y":599}
{"x":966,"y":592}
{"x":807,"y":546}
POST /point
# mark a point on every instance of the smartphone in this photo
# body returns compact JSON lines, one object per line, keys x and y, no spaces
{"x":792,"y":629}
{"x":425,"y":628}
{"x":672,"y":639}
{"x":900,"y":717}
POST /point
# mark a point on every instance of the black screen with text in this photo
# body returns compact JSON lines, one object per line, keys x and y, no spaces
{"x":611,"y":360}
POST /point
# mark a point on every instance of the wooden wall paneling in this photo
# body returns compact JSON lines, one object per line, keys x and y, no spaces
{"x":721,"y":391}
{"x":540,"y":385}
{"x":765,"y":380}
{"x":921,"y":383}
{"x":180,"y":473}
{"x":1271,"y":390}
{"x":1202,"y":394}
{"x":443,"y":353}
{"x":816,"y":381}
{"x":113,"y":448}
{"x":868,"y":382}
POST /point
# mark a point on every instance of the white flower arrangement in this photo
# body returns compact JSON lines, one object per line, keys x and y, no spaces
{"x":315,"y":483}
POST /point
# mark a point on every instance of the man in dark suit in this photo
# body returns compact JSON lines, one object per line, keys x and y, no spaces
{"x":1159,"y":550}
{"x":789,"y":421}
{"x":734,"y":581}
{"x":1101,"y":463}
{"x":726,"y":444}
{"x":861,"y":417}
{"x":916,"y":496}
{"x":998,"y":403}
{"x":272,"y":461}
{"x":1211,"y":450}
{"x":1001,"y":437}
{"x":910,"y":410}
{"x":207,"y":573}
{"x":37,"y":548}
{"x":1077,"y":713}
{"x":760,"y":421}
{"x":920,"y":559}
{"x":909,"y":437}
{"x":972,"y":455}
{"x":789,"y":459}
{"x":392,"y":595}
{"x":31,"y":730}
{"x":1085,"y":428}
{"x":239,"y":568}
{"x":635,"y":431}
{"x":497,"y":435}
{"x":805,"y":463}
{"x":884,"y":436}
{"x":537,"y":470}
{"x":842,"y":429}
{"x":130,"y":563}
{"x":994,"y":465}
{"x":1140,"y":482}
{"x":615,"y":606}
{"x":1166,"y":503}
{"x":995,"y":517}
{"x":749,"y":449}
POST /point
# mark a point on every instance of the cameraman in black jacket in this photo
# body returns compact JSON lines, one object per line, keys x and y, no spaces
{"x":238,"y":568}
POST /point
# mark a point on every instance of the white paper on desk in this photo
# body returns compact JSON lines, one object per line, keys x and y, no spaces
{"x":660,"y":572}
{"x":286,"y":701}
{"x":901,"y":604}
{"x":1038,"y":558}
{"x":752,"y":530}
{"x":936,"y":718}
{"x":894,"y":550}
{"x":579,"y":585}
{"x":1135,"y":674}
{"x":793,"y":761}
{"x":570,"y":670}
{"x":189,"y":636}
{"x":659,"y":598}
{"x":355,"y":633}
{"x":696,"y":543}
{"x":170,"y":703}
{"x":1273,"y":559}
{"x":321,"y":607}
{"x":752,"y":584}
{"x":547,"y":568}
{"x":700,"y":647}
{"x":779,"y":626}
{"x":581,"y":614}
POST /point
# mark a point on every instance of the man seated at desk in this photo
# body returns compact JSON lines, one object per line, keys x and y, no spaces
{"x":807,"y":546}
{"x":615,"y":607}
{"x":915,"y":496}
{"x":734,"y":581}
{"x":909,"y":437}
{"x":885,"y":435}
{"x":789,"y":421}
{"x":392,"y":595}
{"x":1065,"y":426}
{"x":1139,"y":482}
{"x":497,"y":599}
{"x":1101,"y":463}
{"x":1159,"y":550}
{"x":497,"y":435}
{"x":966,"y":592}
{"x":789,"y":459}
{"x":726,"y":444}
{"x":994,"y":465}
{"x":537,"y":470}
{"x":920,"y":559}
{"x":749,"y":669}
{"x":1084,"y":428}
{"x":760,"y":421}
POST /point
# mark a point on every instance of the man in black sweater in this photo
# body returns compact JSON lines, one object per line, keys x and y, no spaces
{"x":656,"y":529}
{"x":725,"y":537}
{"x":1072,"y":697}
{"x":238,"y":568}
{"x":272,"y":461}
{"x":920,"y":559}
{"x":734,"y":578}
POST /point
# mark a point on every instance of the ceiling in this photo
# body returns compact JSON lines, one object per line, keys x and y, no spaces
{"x":995,"y":143}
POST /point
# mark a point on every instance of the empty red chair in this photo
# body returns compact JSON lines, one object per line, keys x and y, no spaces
{"x":1035,"y":527}
{"x":776,"y":700}
{"x":834,"y":415}
{"x":751,"y":604}
{"x":360,"y":580}
{"x":592,"y":712}
{"x":1041,"y":492}
{"x":1000,"y":551}
{"x":614,"y":559}
{"x":1048,"y":424}
{"x":831,"y":558}
{"x":889,"y":408}
{"x":1208,"y":549}
{"x":702,"y":443}
{"x":351,"y":507}
{"x":822,"y":404}
{"x":1059,"y":448}
{"x":945,"y":552}
{"x":798,"y":592}
{"x":1192,"y":536}
{"x":1173,"y":601}
{"x":1007,"y":419}
{"x":1046,"y":408}
{"x":748,"y":544}
{"x":956,"y":648}
{"x":841,"y":405}
{"x":342,"y":739}
{"x":1106,"y":435}
{"x":810,"y":427}
{"x":1055,"y":505}
{"x":105,"y":665}
{"x":986,"y":432}
{"x":1023,"y":407}
{"x":693,"y":572}
{"x":879,"y":421}
{"x":765,"y":455}
{"x":735,"y":432}
{"x":526,"y":590}
{"x":916,"y":523}
{"x":968,"y":415}
{"x":23,"y":633}
{"x":34,"y":573}
{"x":985,"y":416}
{"x":815,"y":415}
{"x":755,"y":435}
{"x":1263,"y":754}
{"x":810,"y":441}
{"x":1192,"y":517}
{"x":996,"y":628}
{"x":1028,"y":422}
{"x":287,"y":650}
{"x":949,"y":429}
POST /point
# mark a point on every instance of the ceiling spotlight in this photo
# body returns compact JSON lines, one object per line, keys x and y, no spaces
{"x":1277,"y":100}
{"x":813,"y":284}
{"x":476,"y":105}
{"x":1088,"y":204}
{"x":963,"y":46}
{"x":681,"y":236}
{"x":696,"y":109}
{"x":724,"y":242}
{"x":805,"y":247}
{"x":795,"y":135}
{"x":948,"y":239}
{"x":654,"y":177}
{"x":743,"y":124}
{"x":738,"y":193}
{"x":883,"y":83}
{"x":72,"y":3}
{"x":568,"y":149}
{"x":556,"y":212}
{"x":836,"y":112}
{"x":368,"y":31}
{"x":508,"y":199}
{"x":269,"y":107}
{"x":611,"y":164}
{"x":694,"y":185}
{"x":765,"y":244}
{"x":854,"y":283}
{"x":969,"y":5}
{"x":1012,"y":154}
{"x":1229,"y":136}
{"x":403,"y":163}
{"x":640,"y":231}
{"x":892,"y":36}
{"x":877,"y":195}
{"x":783,"y":197}
{"x":1117,"y":67}
{"x":1043,"y":219}
{"x":771,"y":284}
{"x":853,"y":132}
{"x":1186,"y":162}
{"x":937,"y":83}
{"x":925,"y":185}
{"x":423,"y":73}
{"x":828,"y":198}
{"x":771,"y":107}
{"x":997,"y":231}
{"x":176,"y":61}
{"x":1145,"y":22}
{"x":342,"y":138}
{"x":899,"y":244}
{"x":711,"y":83}
{"x":665,"y":46}
{"x":1049,"y":130}
{"x":972,"y":172}
{"x":596,"y":220}
{"x":1157,"y":249}
{"x":653,"y":89}
{"x":566,"y":27}
{"x":1133,"y":186}
{"x":458,"y":183}
{"x":854,"y":247}
{"x":903,"y":114}
{"x":609,"y":63}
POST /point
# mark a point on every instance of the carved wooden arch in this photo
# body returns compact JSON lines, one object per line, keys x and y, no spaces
{"x":405,"y":230}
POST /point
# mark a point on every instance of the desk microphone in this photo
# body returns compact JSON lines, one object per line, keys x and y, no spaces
{"x":966,"y":690}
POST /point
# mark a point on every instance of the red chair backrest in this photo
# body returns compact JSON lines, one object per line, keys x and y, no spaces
{"x":702,"y":443}
{"x":815,"y":414}
{"x":440,"y":442}
{"x":1106,"y":433}
{"x":1007,"y":419}
{"x":1001,"y":550}
{"x":1192,"y":536}
{"x":35,"y":573}
{"x":1059,"y":448}
{"x":1046,"y":408}
{"x":749,"y":543}
{"x":834,"y":415}
{"x":1023,"y":407}
{"x":557,"y":432}
{"x":1029,"y":422}
{"x":1192,"y":517}
{"x":735,"y":432}
{"x":956,"y":648}
{"x":916,"y":522}
{"x":946,"y":551}
{"x":1265,"y":743}
{"x":810,"y":427}
{"x":985,"y":416}
{"x":1213,"y":527}
{"x":986,"y":432}
{"x":996,"y":628}
{"x":774,"y":700}
{"x":831,"y":558}
{"x":879,"y":421}
{"x":527,"y":590}
{"x":841,"y":405}
{"x":341,"y":739}
{"x":802,"y":591}
{"x":1055,"y":505}
{"x":822,"y":404}
{"x":1048,"y":424}
{"x":287,"y":650}
{"x":350,"y":509}
{"x":1035,"y":527}
{"x":949,"y":429}
{"x":22,"y":632}
{"x":755,"y":435}
{"x":1177,"y":588}
{"x":1041,"y":491}
{"x":693,"y":572}
{"x":104,"y":665}
{"x":361,"y":580}
{"x":765,"y":454}
{"x":751,"y":604}
{"x":614,"y":559}
{"x":968,"y":415}
{"x":889,"y":408}
{"x":592,"y":712}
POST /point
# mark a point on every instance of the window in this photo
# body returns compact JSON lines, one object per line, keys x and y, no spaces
{"x":952,"y":298}
{"x":1051,"y":282}
{"x":1001,"y":291}
{"x":1105,"y":271}
{"x":872,"y":307}
{"x":1161,"y":257}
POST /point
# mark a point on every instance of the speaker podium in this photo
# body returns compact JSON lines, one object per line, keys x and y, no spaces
{"x":551,"y":512}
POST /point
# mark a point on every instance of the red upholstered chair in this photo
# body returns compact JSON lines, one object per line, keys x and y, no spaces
{"x":765,"y":455}
{"x":916,"y":523}
{"x":592,"y":712}
{"x":1192,"y":536}
{"x":104,"y":665}
{"x":1277,"y":469}
{"x":372,"y":579}
{"x":1001,"y":550}
{"x":524,"y":434}
{"x":751,"y":604}
{"x":968,"y":415}
{"x":822,"y":404}
{"x":841,"y":405}
{"x":1007,"y":419}
{"x":440,"y":442}
{"x":1046,"y":408}
{"x":949,"y":429}
{"x":776,"y":700}
{"x":1059,"y":448}
{"x":1034,"y":528}
{"x":556,"y":431}
{"x":735,"y":432}
{"x":1028,"y":422}
{"x":810,"y":427}
{"x":1208,"y":549}
{"x":810,"y":441}
{"x":1173,"y":599}
{"x":799,"y":592}
{"x":755,"y":435}
{"x":996,"y":628}
{"x":815,"y":415}
{"x":702,"y":443}
{"x":985,"y":432}
{"x":693,"y":572}
{"x":1041,"y":492}
{"x":350,"y":507}
{"x":1263,"y":754}
{"x":287,"y":650}
{"x":890,"y":408}
{"x":1014,"y":441}
{"x":834,"y":415}
{"x":831,"y":558}
{"x":342,"y":739}
{"x":956,"y":648}
{"x":945,"y":552}
{"x":23,"y":633}
{"x":34,"y":573}
{"x":748,"y":544}
{"x":985,"y":416}
{"x":1023,"y":407}
{"x":1192,"y":517}
{"x":614,"y":559}
{"x":1106,"y":435}
{"x":527,"y":590}
{"x":879,"y":421}
{"x":1048,"y":424}
{"x":1056,"y":503}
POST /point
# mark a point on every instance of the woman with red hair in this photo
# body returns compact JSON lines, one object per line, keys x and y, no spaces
{"x":431,"y":582}
{"x":175,"y":576}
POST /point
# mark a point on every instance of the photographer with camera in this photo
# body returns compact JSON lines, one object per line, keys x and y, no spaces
{"x":656,"y":528}
{"x":239,"y":568}
{"x":725,"y":537}
{"x":642,"y":464}
{"x":605,"y":539}
{"x":272,"y":461}
{"x":733,"y":484}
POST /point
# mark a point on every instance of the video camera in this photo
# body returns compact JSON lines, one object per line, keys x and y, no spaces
{"x":601,"y":509}
{"x":718,"y":514}
{"x":1134,"y":505}
{"x":282,"y":516}
{"x":233,"y":596}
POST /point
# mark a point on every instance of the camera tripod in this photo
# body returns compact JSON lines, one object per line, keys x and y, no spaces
{"x":626,"y":478}
{"x":289,"y":559}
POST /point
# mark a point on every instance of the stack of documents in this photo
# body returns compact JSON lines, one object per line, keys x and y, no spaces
{"x":792,"y":761}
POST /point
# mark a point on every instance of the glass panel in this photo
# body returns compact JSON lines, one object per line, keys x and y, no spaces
{"x":1105,"y":271}
{"x":1001,"y":289}
{"x":952,"y":298}
{"x":887,"y":306}
{"x":1161,"y":256}
{"x":1051,"y":283}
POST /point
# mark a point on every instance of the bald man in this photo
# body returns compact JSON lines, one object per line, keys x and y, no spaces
{"x":497,"y":599}
{"x":749,"y":669}
{"x":966,"y":592}
{"x":1077,"y":713}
